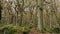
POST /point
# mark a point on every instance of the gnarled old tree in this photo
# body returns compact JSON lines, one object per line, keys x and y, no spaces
{"x":1,"y":8}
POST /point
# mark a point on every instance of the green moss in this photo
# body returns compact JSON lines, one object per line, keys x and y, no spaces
{"x":56,"y":30}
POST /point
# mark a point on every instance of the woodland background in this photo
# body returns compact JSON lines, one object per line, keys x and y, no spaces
{"x":24,"y":15}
